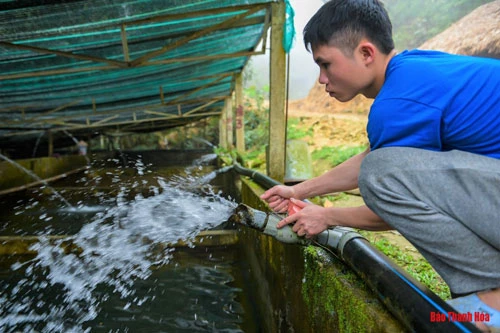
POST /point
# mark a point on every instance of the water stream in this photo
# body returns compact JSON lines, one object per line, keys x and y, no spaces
{"x":37,"y":143}
{"x":36,"y":177}
{"x":64,"y":288}
{"x":75,"y":140}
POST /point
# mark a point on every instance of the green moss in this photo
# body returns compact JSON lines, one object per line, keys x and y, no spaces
{"x":342,"y":295}
{"x":327,"y":294}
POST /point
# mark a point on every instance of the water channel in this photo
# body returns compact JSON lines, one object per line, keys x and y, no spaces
{"x":104,"y":263}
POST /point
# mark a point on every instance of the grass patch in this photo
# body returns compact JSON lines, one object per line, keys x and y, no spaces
{"x":296,"y":131}
{"x":336,"y":155}
{"x":320,"y":200}
{"x":418,"y":268}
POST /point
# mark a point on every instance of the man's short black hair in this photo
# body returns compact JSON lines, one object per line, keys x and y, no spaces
{"x":343,"y":23}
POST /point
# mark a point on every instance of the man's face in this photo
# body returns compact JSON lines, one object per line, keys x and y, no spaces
{"x":344,"y":76}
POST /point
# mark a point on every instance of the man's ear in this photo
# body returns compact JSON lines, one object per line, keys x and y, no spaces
{"x":367,"y":51}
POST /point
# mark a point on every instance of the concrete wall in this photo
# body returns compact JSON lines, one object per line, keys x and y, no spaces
{"x":12,"y":176}
{"x":306,"y":289}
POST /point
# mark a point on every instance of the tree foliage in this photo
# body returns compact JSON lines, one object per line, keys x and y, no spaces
{"x":414,"y":22}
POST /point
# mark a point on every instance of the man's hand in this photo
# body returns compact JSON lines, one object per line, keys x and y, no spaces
{"x":309,"y":220}
{"x":278,"y":197}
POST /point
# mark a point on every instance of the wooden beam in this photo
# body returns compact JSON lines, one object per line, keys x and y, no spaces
{"x":105,"y":120}
{"x":107,"y":123}
{"x":126,"y":55}
{"x":41,"y":50}
{"x":204,"y":106}
{"x":158,"y":113}
{"x":149,"y":63}
{"x":206,"y":12}
{"x":240,"y":115}
{"x":265,"y":30}
{"x":55,"y":72}
{"x":277,"y":96}
{"x":61,"y":119}
{"x":195,"y":35}
{"x":205,"y":57}
{"x":162,"y":97}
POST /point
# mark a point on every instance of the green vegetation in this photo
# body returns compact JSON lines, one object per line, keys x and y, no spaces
{"x":417,"y":267}
{"x":414,"y":22}
{"x":257,"y":127}
{"x":295,"y":132}
{"x":331,"y":198}
{"x":336,"y":155}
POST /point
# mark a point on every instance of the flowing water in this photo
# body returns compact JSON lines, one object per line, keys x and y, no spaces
{"x":35,"y":177}
{"x":118,"y":272}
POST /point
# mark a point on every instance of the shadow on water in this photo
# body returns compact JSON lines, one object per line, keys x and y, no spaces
{"x":115,"y":270}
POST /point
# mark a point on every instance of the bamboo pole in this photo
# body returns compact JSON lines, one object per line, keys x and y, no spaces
{"x":277,"y":96}
{"x":229,"y":122}
{"x":240,"y":115}
{"x":40,"y":182}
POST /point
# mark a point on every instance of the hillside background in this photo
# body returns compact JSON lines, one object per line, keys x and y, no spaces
{"x":414,"y":22}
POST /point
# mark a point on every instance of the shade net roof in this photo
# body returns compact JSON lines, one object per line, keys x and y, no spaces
{"x":103,"y":66}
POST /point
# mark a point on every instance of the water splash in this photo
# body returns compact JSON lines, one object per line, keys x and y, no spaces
{"x":194,"y":182}
{"x":75,"y":140}
{"x":201,"y":140}
{"x":118,"y":247}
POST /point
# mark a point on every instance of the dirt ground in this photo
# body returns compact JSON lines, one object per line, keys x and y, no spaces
{"x":334,"y":123}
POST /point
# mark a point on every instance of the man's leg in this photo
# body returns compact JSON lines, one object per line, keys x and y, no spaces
{"x":447,"y":204}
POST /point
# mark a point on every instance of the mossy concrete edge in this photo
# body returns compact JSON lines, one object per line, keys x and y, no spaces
{"x":309,"y":289}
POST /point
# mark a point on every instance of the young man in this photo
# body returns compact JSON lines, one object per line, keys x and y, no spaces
{"x":432,"y":171}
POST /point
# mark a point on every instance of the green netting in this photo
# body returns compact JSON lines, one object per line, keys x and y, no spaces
{"x":92,"y":28}
{"x":86,"y":61}
{"x":289,"y":36}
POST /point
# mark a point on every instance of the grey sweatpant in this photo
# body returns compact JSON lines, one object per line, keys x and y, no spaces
{"x":446,"y":203}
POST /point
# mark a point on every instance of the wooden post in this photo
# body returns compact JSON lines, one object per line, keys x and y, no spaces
{"x":89,"y":140}
{"x":229,"y":122}
{"x":51,"y":144}
{"x":223,"y":128}
{"x":240,"y":116}
{"x":277,"y":95}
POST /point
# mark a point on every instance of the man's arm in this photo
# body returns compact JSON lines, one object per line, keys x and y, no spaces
{"x":360,"y":217}
{"x":312,"y":219}
{"x":343,"y":177}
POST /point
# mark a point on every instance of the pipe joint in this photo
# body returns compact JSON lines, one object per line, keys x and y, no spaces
{"x":337,"y":238}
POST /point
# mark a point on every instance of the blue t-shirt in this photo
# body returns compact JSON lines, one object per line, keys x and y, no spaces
{"x":438,"y":101}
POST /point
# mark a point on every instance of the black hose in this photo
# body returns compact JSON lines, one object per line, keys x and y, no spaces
{"x":412,"y":303}
{"x":417,"y":307}
{"x":261,"y":179}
